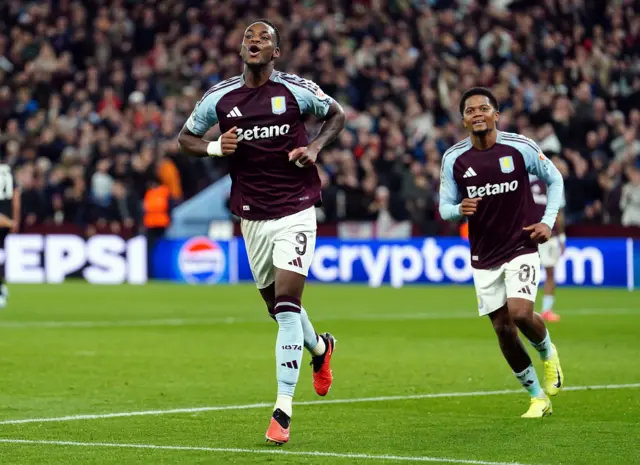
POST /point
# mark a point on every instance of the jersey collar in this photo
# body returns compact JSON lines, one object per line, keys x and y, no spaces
{"x":274,"y":73}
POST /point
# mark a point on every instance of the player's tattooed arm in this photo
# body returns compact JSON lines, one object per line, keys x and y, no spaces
{"x":333,"y":125}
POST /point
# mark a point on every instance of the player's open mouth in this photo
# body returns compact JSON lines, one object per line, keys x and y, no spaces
{"x":254,"y":50}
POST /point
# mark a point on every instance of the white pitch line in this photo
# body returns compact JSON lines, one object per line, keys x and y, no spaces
{"x":436,"y":395}
{"x":8,"y":324}
{"x":398,"y":458}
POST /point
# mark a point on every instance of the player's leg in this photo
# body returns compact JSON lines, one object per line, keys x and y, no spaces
{"x":294,"y":242}
{"x":521,"y":278}
{"x":293,"y":253}
{"x":549,"y":255}
{"x":313,"y":342}
{"x":259,"y":246}
{"x":549,"y":296}
{"x":289,"y":342}
{"x":492,"y":301}
{"x":259,"y":240}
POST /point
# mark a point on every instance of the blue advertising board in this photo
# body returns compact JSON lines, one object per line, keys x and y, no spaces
{"x":586,"y":262}
{"x":635,"y":265}
{"x":198,"y":260}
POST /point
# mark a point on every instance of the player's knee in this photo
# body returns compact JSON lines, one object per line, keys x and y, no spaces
{"x":521,"y":313}
{"x":503,"y":324}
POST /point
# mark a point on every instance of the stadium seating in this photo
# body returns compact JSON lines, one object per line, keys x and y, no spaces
{"x":94,"y":93}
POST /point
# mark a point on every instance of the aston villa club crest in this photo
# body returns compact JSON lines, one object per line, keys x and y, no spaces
{"x":278,"y":105}
{"x":506,"y":164}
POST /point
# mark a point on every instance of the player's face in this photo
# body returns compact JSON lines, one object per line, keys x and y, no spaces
{"x":479,"y":116}
{"x":258,"y":45}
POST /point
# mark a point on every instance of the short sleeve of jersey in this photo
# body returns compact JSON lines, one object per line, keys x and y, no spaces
{"x":203,"y":117}
{"x":310,"y":97}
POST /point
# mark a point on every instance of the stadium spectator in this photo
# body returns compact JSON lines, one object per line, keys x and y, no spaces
{"x":630,"y":201}
{"x":100,"y":89}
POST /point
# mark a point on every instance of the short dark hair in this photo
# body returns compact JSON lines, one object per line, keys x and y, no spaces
{"x":271,"y":25}
{"x":479,"y":91}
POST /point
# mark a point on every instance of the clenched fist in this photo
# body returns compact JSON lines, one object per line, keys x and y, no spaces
{"x":469,"y":206}
{"x":229,"y":141}
{"x":303,"y":156}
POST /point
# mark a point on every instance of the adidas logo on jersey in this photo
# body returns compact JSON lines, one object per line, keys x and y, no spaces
{"x":492,"y":189}
{"x":235,"y":113}
{"x":469,"y":173}
{"x":258,"y":132}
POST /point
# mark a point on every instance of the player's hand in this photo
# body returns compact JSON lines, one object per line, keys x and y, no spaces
{"x":303,"y":156}
{"x":540,"y":232}
{"x":229,"y":141}
{"x":469,"y":206}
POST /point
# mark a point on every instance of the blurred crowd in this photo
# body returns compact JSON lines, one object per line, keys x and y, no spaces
{"x":94,"y":93}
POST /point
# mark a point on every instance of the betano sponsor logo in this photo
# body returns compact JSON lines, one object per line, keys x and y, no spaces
{"x":492,"y":189}
{"x":262,"y":132}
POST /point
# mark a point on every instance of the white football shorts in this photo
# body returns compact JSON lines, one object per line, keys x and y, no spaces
{"x":517,"y":278}
{"x":287,"y":243}
{"x":550,"y":252}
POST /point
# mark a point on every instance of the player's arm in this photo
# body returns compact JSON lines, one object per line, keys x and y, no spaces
{"x":333,"y":125}
{"x":537,"y":163}
{"x":450,"y":209}
{"x":203,"y":118}
{"x":17,"y":210}
{"x":312,"y":100}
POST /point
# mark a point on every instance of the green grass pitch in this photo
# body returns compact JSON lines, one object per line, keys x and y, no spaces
{"x":76,"y":349}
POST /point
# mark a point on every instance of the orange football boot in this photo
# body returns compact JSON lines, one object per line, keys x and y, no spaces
{"x":278,"y":431}
{"x":550,"y":316}
{"x":322,"y":375}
